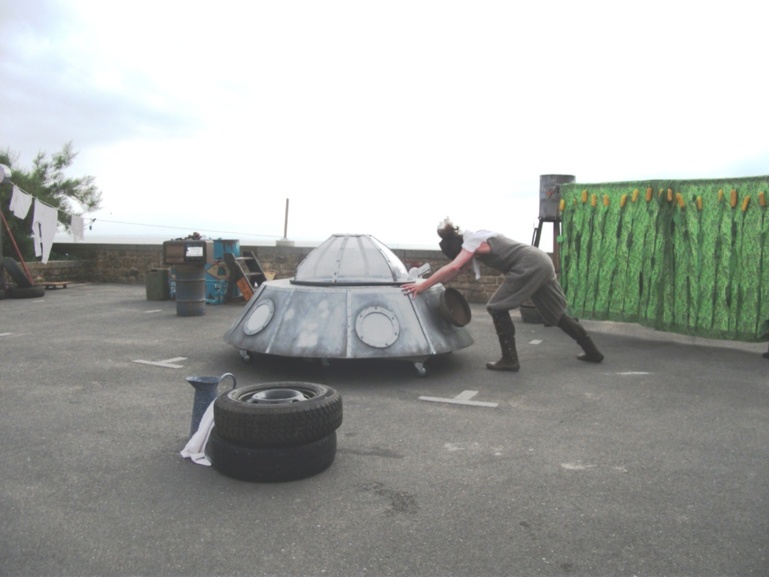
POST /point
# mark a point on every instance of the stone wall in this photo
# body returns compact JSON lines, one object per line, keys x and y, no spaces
{"x":129,"y":264}
{"x":61,"y":270}
{"x":108,"y":263}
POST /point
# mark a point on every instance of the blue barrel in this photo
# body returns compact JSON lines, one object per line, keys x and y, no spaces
{"x":190,"y":290}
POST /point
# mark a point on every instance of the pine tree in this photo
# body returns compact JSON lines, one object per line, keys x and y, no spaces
{"x":47,"y":181}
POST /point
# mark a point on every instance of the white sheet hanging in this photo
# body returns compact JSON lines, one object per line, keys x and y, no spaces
{"x":20,"y":202}
{"x":77,"y":226}
{"x":44,"y":223}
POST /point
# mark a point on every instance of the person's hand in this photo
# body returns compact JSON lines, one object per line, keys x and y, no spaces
{"x":410,"y":289}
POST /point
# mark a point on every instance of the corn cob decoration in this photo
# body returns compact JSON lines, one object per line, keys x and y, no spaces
{"x":709,"y":229}
{"x":745,"y":203}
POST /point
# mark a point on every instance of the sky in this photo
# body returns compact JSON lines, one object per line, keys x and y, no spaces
{"x":260,"y":121}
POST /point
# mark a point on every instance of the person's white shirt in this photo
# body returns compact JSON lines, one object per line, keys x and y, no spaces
{"x":471,"y":240}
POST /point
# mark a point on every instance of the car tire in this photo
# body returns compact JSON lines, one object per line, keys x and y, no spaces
{"x":16,"y":273}
{"x":270,"y":464}
{"x":31,"y":292}
{"x":263,"y":416}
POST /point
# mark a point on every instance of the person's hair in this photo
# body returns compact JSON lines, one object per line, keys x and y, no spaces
{"x":451,"y":238}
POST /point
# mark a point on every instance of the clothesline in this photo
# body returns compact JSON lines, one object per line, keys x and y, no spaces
{"x":75,"y":224}
{"x":45,"y":220}
{"x":16,"y":186}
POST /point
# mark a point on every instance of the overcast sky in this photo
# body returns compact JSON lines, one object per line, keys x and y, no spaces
{"x":378,"y":117}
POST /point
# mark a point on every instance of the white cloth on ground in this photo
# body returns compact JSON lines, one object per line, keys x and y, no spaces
{"x":44,"y":223}
{"x":195,"y":447}
{"x":20,"y":202}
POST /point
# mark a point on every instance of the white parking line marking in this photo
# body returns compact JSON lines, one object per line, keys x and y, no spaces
{"x":634,"y":373}
{"x":462,"y":398}
{"x":168,"y":363}
{"x":153,"y":311}
{"x":576,"y":466}
{"x":5,"y":334}
{"x":535,"y":342}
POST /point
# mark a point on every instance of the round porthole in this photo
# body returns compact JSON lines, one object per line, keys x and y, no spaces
{"x":377,"y":327}
{"x":260,"y":317}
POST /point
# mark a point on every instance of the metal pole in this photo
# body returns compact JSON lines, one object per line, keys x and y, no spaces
{"x":284,"y":241}
{"x":556,"y":246}
{"x":5,"y":176}
{"x":16,"y":246}
{"x":2,"y":268}
{"x":285,"y":223}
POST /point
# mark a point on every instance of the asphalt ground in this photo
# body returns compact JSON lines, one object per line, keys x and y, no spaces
{"x":652,"y":463}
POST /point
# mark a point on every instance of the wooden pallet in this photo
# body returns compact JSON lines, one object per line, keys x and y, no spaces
{"x":54,"y":285}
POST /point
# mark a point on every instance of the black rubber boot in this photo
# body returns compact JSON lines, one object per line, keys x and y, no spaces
{"x":505,"y":328}
{"x":579,"y":334}
{"x":592,"y":354}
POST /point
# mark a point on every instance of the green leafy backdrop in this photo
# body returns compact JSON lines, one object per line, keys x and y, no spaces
{"x":687,"y":256}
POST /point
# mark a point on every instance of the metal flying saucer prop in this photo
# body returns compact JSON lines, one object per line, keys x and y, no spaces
{"x":345,"y":302}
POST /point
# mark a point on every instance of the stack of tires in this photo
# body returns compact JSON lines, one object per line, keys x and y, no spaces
{"x":275,"y":431}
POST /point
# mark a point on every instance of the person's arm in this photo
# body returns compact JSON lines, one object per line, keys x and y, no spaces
{"x":444,"y":274}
